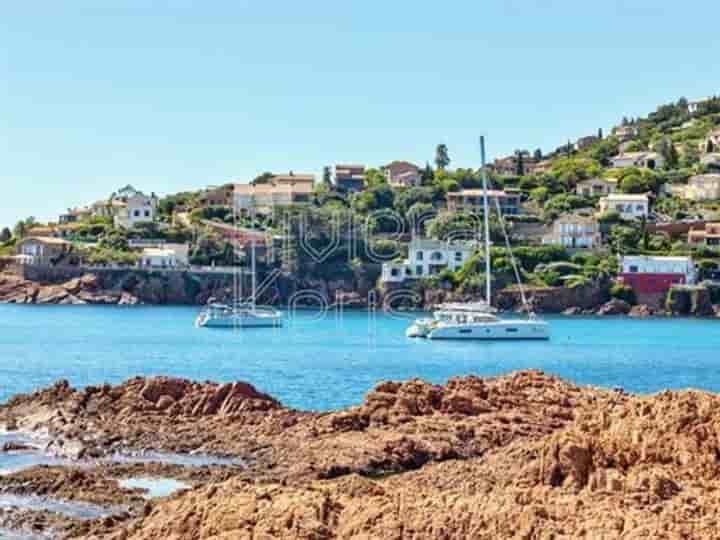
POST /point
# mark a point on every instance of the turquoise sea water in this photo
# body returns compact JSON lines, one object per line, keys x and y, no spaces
{"x":330,"y":362}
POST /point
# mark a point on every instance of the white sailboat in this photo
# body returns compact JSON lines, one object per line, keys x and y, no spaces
{"x":241,"y":314}
{"x":478,"y":320}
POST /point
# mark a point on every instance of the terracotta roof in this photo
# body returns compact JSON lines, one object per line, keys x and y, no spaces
{"x":46,"y":240}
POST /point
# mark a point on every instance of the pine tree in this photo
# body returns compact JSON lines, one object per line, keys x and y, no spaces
{"x":519,"y":164}
{"x":600,"y":134}
{"x":327,"y":176}
{"x":442,"y":159}
{"x":538,"y":155}
{"x":427,"y":175}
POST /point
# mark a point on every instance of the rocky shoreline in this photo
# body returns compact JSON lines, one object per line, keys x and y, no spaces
{"x":89,"y":289}
{"x":526,"y":455}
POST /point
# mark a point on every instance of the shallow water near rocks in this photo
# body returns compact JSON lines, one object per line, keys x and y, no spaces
{"x":7,"y":534}
{"x":78,"y":510}
{"x":170,"y":458}
{"x":155,"y":487}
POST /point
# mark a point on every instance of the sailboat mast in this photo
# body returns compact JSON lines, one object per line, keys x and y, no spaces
{"x":252,"y":247}
{"x":486,"y":220}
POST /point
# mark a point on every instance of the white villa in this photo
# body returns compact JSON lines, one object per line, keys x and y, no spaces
{"x":427,"y":257}
{"x":165,"y":256}
{"x":629,"y":206}
{"x":131,"y":206}
{"x":596,"y":187}
{"x":574,"y":232}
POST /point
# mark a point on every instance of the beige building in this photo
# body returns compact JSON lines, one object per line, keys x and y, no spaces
{"x":625,"y":133}
{"x":471,"y":201}
{"x":521,"y":163}
{"x":702,"y":187}
{"x":265,"y":197}
{"x":596,"y":187}
{"x":709,"y":235}
{"x":643,"y":160}
{"x":350,"y":178}
{"x":402,"y":174}
{"x":217,"y":196}
{"x":574,"y":232}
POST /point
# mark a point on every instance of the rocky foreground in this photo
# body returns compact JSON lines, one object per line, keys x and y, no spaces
{"x":523,"y":456}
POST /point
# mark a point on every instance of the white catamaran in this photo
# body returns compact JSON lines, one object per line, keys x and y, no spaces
{"x":240,"y":314}
{"x":478,"y":320}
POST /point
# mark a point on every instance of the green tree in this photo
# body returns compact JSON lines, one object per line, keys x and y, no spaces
{"x":327,"y":177}
{"x":264,"y":178}
{"x":427,"y":175}
{"x":667,"y":150}
{"x":538,"y":155}
{"x":624,"y":239}
{"x":23,"y":226}
{"x":442,"y":158}
{"x":520,"y":164}
{"x":5,"y":235}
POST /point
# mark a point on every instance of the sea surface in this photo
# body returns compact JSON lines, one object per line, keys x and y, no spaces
{"x":329,"y":361}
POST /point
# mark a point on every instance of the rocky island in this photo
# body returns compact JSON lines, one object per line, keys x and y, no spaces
{"x":526,"y":455}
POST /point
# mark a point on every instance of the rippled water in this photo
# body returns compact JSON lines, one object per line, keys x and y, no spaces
{"x":79,"y":510}
{"x":331,"y":362}
{"x":155,"y":487}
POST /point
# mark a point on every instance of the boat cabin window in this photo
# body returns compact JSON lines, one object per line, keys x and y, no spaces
{"x":511,"y":329}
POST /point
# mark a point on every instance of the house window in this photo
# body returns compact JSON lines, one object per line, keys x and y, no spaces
{"x":458,"y":256}
{"x":394,"y":272}
{"x":147,"y":213}
{"x":419,"y":256}
{"x":436,"y":256}
{"x":419,"y":270}
{"x":640,"y":208}
{"x":136,"y":213}
{"x":633,"y":269}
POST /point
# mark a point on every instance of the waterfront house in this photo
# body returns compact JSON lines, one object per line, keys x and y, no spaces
{"x":629,"y":206}
{"x":471,"y":201}
{"x":574,"y":231}
{"x":643,"y":160}
{"x":402,"y":174}
{"x":217,"y":196}
{"x":652,"y":277}
{"x":427,"y":258}
{"x":265,"y":197}
{"x":350,"y":178}
{"x":701,"y":187}
{"x":43,"y":250}
{"x":157,"y":253}
{"x":596,"y":187}
{"x":706,"y":235}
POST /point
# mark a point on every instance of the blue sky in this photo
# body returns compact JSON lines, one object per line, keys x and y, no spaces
{"x":180,"y":95}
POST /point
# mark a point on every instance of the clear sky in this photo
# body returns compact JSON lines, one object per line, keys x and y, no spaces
{"x":174,"y":95}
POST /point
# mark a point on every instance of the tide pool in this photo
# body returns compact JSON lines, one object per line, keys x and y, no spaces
{"x":328,"y":362}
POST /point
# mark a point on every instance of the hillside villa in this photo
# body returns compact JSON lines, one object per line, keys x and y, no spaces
{"x":281,"y":190}
{"x":701,"y":187}
{"x":217,"y":196}
{"x":402,"y":174}
{"x":643,"y":160}
{"x":426,"y":258}
{"x":708,"y":235}
{"x":74,"y":215}
{"x":629,"y":206}
{"x":585,"y":142}
{"x":350,"y":178}
{"x":519,"y":164}
{"x":596,"y":187}
{"x":471,"y":201}
{"x":574,"y":231}
{"x":625,"y":133}
{"x":130,"y":207}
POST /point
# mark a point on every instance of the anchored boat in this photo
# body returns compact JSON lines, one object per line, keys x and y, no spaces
{"x":479,"y":320}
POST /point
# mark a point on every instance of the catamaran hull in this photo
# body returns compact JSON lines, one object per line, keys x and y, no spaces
{"x":240,"y":322}
{"x":506,"y":331}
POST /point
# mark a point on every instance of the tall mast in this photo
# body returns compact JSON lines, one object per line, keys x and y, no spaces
{"x":486,"y":220}
{"x":252,"y":247}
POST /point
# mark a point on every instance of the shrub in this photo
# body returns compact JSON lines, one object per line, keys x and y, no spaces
{"x":620,"y":291}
